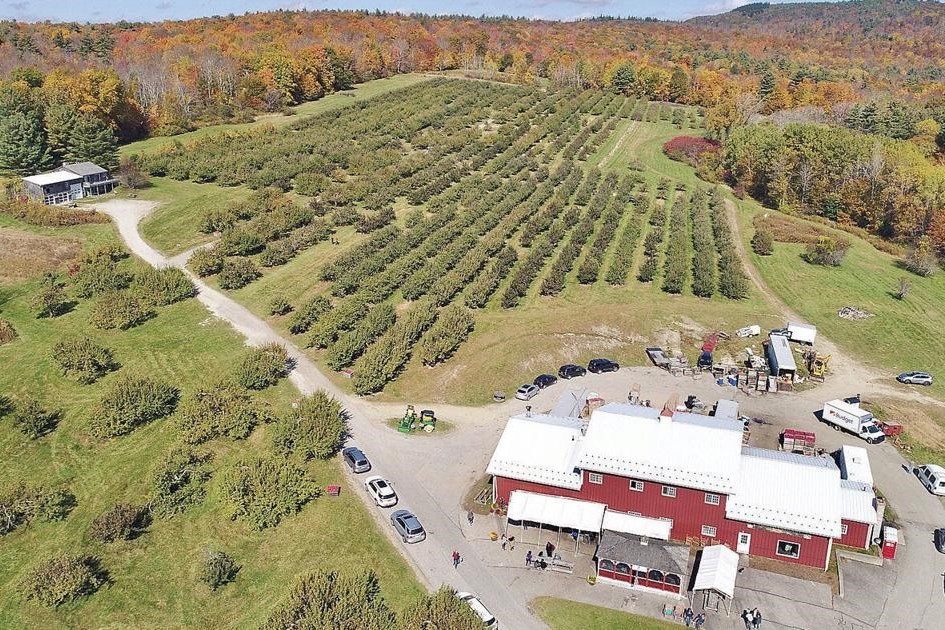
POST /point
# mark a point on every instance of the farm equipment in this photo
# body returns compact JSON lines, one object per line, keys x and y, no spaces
{"x":409,"y":422}
{"x":891,"y":429}
{"x":817,"y":364}
{"x":427,"y":420}
{"x":796,"y":441}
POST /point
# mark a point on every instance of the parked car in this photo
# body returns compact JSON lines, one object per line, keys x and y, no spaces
{"x":571,"y":371}
{"x":602,"y":365}
{"x":545,"y":380}
{"x":408,"y":526}
{"x":705,"y":360}
{"x":932,"y":477}
{"x":915,"y":378}
{"x":940,"y":539}
{"x":380,"y":491}
{"x":527,"y":391}
{"x":488,"y":619}
{"x":357,"y":461}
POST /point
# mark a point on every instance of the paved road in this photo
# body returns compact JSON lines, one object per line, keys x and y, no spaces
{"x":431,"y":558}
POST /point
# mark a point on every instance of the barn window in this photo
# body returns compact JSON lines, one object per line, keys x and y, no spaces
{"x":788,"y":549}
{"x":595,"y":478}
{"x":709,"y":531}
{"x":669,"y":491}
{"x":672,"y":578}
{"x":623,"y":568}
{"x":606,"y":565}
{"x":655,"y":575}
{"x":843,"y":529}
{"x":636,"y":486}
{"x":712,"y":499}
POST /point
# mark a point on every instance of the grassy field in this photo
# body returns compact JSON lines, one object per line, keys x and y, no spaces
{"x":175,"y":225}
{"x":153,"y":576}
{"x":326,"y":104}
{"x":561,"y":614}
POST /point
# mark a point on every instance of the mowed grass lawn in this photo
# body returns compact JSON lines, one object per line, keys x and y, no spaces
{"x":358,"y":93}
{"x":902,"y":335}
{"x":561,"y":614}
{"x":153,"y":580}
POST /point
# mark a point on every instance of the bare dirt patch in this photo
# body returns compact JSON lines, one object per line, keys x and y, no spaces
{"x":25,"y":255}
{"x":786,"y":230}
{"x":923,"y":428}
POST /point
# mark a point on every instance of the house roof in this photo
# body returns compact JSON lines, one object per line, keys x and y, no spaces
{"x":54,"y":177}
{"x":585,"y":516}
{"x":570,"y":403}
{"x":787,"y":491}
{"x":685,"y":449}
{"x":636,"y":524}
{"x":857,"y":502}
{"x":84,"y":168}
{"x":855,"y":464}
{"x":654,"y":554}
{"x":782,"y":352}
{"x":539,"y":448}
{"x":718,"y":568}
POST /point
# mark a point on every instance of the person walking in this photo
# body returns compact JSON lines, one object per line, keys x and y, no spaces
{"x":549,"y":549}
{"x":700,"y":621}
{"x":470,"y":517}
{"x":749,"y":618}
{"x":456,"y":559}
{"x":528,"y":558}
{"x":756,"y":619}
{"x":688,"y":616}
{"x":505,"y":541}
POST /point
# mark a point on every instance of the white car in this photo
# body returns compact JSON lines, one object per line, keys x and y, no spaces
{"x":488,"y":619}
{"x":380,"y":491}
{"x":527,"y":391}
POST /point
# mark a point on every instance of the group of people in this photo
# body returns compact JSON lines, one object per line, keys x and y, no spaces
{"x":752,"y":619}
{"x":691,"y":619}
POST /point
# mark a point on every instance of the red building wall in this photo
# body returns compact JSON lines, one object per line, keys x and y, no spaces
{"x":858,"y":535}
{"x":688,"y":510}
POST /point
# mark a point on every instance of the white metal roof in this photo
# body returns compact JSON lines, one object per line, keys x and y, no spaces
{"x":636,"y":524}
{"x":560,"y":511}
{"x":55,"y":177}
{"x":687,"y":449}
{"x":782,"y":352}
{"x":848,"y":408}
{"x":855,"y":464}
{"x":726,"y":409}
{"x":539,"y":448}
{"x":787,"y":491}
{"x":570,"y":403}
{"x":857,"y":501}
{"x":718,"y":569}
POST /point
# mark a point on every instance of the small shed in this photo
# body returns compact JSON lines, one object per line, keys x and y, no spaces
{"x":726,"y":409}
{"x":780,"y":358}
{"x":855,"y":464}
{"x":637,"y":561}
{"x":52,"y":188}
{"x":716,"y":571}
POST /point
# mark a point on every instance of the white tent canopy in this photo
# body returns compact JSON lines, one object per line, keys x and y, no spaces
{"x":717,"y":570}
{"x":639,"y":525}
{"x":558,"y":511}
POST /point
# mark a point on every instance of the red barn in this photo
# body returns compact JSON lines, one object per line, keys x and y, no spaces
{"x":687,"y":469}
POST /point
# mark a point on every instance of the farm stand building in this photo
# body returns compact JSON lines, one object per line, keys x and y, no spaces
{"x":688,"y":473}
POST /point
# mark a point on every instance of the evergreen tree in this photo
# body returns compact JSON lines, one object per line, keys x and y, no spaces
{"x":624,"y":78}
{"x":91,"y":140}
{"x":22,"y":144}
{"x":678,"y":85}
{"x":766,"y":85}
{"x":60,"y":122}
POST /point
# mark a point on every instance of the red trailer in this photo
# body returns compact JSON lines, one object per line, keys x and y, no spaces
{"x":890,"y":429}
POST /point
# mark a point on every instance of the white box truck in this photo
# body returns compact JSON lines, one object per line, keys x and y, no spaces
{"x":849,"y":417}
{"x":802,"y":333}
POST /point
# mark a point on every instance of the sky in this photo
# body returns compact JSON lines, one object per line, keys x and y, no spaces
{"x":152,"y":10}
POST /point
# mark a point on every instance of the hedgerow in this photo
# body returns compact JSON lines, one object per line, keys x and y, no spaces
{"x":352,"y":344}
{"x":451,"y":329}
{"x":384,"y":359}
{"x":236,"y":273}
{"x":308,"y":314}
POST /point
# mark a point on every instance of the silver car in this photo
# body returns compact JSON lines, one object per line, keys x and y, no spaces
{"x":527,"y":391}
{"x":915,"y":378}
{"x":357,"y":461}
{"x":408,"y":526}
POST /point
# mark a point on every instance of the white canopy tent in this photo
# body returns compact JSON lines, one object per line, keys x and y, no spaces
{"x":560,"y":512}
{"x":718,"y":567}
{"x":635,"y":524}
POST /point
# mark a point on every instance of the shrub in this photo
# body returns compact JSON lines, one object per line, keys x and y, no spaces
{"x":122,"y":522}
{"x":160,"y":287}
{"x":385,"y":358}
{"x":83,"y":359}
{"x":50,"y":299}
{"x":217,"y":569}
{"x":206,"y":261}
{"x":762,"y":242}
{"x":327,"y":599}
{"x":902,"y":288}
{"x":237,"y":273}
{"x":262,"y":491}
{"x":223,"y":409}
{"x":7,"y":332}
{"x":21,"y":504}
{"x":921,"y":260}
{"x":451,"y":329}
{"x":131,"y":402}
{"x":240,"y":241}
{"x":98,"y":272}
{"x":317,"y":429}
{"x":32,"y":419}
{"x":178,"y":481}
{"x":40,"y":214}
{"x":442,"y":609}
{"x":63,"y":578}
{"x":277,"y":253}
{"x":263,"y":366}
{"x":827,"y":251}
{"x":279,"y":306}
{"x":130,"y":173}
{"x":343,"y":317}
{"x":119,"y":309}
{"x":352,"y":344}
{"x":308,"y":314}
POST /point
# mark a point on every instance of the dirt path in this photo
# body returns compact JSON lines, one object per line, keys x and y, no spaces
{"x":400,"y":459}
{"x":847,"y":374}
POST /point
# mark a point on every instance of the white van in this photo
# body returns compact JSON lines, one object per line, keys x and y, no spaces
{"x":932,"y":477}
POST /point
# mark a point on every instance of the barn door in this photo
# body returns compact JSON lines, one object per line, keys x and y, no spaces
{"x":744,"y":542}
